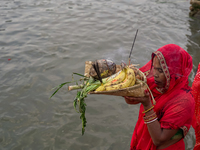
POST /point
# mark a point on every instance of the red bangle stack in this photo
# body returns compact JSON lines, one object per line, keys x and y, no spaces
{"x":150,"y":118}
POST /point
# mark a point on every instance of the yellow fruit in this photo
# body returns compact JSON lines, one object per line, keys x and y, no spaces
{"x":130,"y":76}
{"x":133,"y":81}
{"x":118,"y":79}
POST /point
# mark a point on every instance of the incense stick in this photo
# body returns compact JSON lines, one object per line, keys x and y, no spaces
{"x":129,"y":59}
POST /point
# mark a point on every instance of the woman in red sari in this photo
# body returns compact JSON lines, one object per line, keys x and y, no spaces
{"x":164,"y":125}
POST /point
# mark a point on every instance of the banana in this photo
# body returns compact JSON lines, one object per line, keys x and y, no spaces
{"x":118,"y":79}
{"x":130,"y":79}
{"x":133,"y":81}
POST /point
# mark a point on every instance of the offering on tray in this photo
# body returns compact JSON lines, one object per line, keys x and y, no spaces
{"x":105,"y":77}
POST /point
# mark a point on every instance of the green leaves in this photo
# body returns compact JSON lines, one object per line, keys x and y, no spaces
{"x":89,"y":85}
{"x":79,"y":74}
{"x":58,"y":88}
{"x":61,"y":85}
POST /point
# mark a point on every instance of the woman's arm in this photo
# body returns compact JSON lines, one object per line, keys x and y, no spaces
{"x":159,"y":136}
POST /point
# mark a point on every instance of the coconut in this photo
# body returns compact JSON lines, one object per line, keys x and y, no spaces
{"x":106,"y":68}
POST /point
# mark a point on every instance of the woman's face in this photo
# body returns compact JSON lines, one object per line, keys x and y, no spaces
{"x":158,"y":73}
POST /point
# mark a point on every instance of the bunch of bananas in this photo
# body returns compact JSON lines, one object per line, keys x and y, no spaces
{"x":125,"y":79}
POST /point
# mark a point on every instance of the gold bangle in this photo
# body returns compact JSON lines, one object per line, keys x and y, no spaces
{"x":148,"y":110}
{"x":149,"y":119}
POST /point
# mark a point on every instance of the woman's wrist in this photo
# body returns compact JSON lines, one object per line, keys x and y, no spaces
{"x":147,"y":105}
{"x":148,"y":109}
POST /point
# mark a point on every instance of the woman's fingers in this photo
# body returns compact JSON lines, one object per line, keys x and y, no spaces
{"x":129,"y":97}
{"x":136,"y":100}
{"x":130,"y":101}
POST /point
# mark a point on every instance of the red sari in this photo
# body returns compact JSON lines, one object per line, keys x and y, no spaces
{"x":196,"y":119}
{"x":174,"y":103}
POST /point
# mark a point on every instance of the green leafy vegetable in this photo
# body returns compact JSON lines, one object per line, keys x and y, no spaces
{"x":89,"y":84}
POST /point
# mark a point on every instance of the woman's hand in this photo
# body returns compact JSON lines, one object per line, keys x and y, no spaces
{"x":130,"y":100}
{"x":146,"y":101}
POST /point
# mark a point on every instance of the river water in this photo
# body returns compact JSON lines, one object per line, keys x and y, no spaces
{"x":42,"y":42}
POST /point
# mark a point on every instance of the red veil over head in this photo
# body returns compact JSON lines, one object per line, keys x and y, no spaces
{"x":174,"y":103}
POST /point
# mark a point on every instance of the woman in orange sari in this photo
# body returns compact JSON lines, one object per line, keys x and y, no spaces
{"x":164,"y":125}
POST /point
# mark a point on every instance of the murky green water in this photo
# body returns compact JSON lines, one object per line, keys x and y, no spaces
{"x":43,"y":41}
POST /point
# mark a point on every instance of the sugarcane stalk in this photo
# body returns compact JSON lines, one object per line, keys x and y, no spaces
{"x":75,"y":87}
